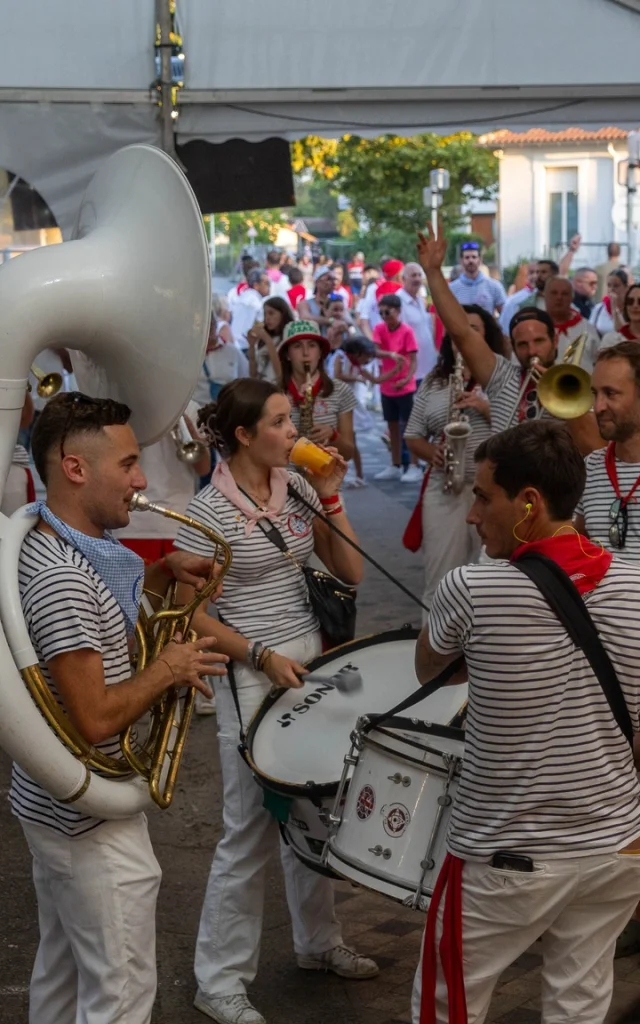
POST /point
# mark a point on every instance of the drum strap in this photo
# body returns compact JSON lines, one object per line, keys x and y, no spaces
{"x":563,"y":598}
{"x":326,"y":519}
{"x":414,"y":698}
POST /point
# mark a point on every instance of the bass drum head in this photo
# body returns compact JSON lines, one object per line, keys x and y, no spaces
{"x":298,"y":739}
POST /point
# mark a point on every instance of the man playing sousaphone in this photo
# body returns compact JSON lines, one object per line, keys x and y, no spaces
{"x":96,"y":881}
{"x":512,"y":394}
{"x":544,"y":838}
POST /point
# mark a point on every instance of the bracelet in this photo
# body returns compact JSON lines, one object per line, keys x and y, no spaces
{"x":334,"y":511}
{"x":165,"y":568}
{"x":257,"y":652}
{"x":265,"y":657}
{"x":330,"y":501}
{"x":170,"y":667}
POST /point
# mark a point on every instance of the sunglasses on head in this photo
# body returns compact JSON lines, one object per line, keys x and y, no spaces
{"x":469,"y":247}
{"x":619,"y":519}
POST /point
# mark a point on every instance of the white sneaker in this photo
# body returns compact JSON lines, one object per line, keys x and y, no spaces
{"x":342,"y":961}
{"x":234,"y":1009}
{"x":205,"y":705}
{"x":390,"y":473}
{"x":413,"y":475}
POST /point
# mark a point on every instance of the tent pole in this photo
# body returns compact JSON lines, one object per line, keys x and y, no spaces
{"x":163,"y":18}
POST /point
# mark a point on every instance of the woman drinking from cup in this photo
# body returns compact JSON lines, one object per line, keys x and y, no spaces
{"x":321,"y":408}
{"x":269,"y":630}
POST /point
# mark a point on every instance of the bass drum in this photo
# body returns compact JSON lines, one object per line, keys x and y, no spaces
{"x":297,"y":740}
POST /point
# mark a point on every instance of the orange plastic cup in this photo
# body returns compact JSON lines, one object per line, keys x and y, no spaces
{"x":310,"y":456}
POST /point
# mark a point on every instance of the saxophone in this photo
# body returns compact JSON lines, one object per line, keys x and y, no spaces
{"x":456,"y":434}
{"x":306,"y":406}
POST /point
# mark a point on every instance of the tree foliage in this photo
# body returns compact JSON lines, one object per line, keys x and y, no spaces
{"x":384,"y":177}
{"x":267,"y":223}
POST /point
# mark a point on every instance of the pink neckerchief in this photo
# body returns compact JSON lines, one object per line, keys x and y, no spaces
{"x":224,"y":482}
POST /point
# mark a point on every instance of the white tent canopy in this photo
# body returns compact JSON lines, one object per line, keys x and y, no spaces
{"x":74,"y":81}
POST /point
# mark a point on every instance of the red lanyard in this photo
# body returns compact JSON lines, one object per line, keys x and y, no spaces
{"x":612,"y":473}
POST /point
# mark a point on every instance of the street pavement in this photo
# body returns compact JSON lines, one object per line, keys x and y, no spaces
{"x":185,"y":837}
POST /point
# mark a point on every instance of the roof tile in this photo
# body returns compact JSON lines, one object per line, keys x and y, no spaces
{"x":540,"y":136}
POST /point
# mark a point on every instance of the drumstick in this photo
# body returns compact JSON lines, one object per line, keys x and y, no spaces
{"x":347,"y":680}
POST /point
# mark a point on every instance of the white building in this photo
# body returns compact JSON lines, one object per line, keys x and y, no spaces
{"x":554,"y":185}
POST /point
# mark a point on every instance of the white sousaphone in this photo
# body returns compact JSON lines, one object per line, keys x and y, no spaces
{"x":131,"y":295}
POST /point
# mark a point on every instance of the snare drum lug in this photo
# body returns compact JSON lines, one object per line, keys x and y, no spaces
{"x":444,"y":800}
{"x":386,"y":853}
{"x":398,"y":778}
{"x":428,"y":865}
{"x":376,"y":850}
{"x":406,"y":781}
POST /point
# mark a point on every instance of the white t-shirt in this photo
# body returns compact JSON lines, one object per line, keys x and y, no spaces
{"x":598,"y":497}
{"x":170,"y":482}
{"x":547,"y":771}
{"x":479,"y":291}
{"x":66,"y":607}
{"x":245,"y":311}
{"x":220,"y":366}
{"x":264,"y":596}
{"x":601,"y":319}
{"x":328,"y":410}
{"x":430,"y":415}
{"x":368,"y":308}
{"x":414,"y":313}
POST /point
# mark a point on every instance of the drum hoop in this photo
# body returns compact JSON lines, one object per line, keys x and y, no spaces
{"x":311,"y":789}
{"x":354,"y":862}
{"x":376,"y":745}
{"x":445,"y":732}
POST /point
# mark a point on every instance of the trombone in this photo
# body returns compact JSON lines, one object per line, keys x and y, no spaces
{"x":564,"y":390}
{"x":48,"y":383}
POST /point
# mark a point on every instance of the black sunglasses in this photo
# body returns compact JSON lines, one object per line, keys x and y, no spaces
{"x":619,"y":519}
{"x":76,"y":399}
{"x":385,"y":310}
{"x":531,"y":399}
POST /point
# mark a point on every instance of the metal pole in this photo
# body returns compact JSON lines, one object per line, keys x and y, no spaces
{"x":631,"y":189}
{"x":434,"y":212}
{"x":163,"y":18}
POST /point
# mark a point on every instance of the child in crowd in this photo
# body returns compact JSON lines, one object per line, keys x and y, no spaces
{"x":350,"y":362}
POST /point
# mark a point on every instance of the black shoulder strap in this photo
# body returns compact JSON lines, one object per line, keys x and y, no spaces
{"x":416,"y":696}
{"x":563,"y":598}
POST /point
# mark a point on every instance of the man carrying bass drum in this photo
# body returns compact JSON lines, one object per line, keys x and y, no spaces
{"x":544,"y":840}
{"x":269,"y":631}
{"x":96,"y":881}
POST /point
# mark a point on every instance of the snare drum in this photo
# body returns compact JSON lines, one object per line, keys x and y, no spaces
{"x":389,"y":832}
{"x":296,"y":741}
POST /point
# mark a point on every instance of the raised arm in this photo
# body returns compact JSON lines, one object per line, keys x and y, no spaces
{"x":475,"y":352}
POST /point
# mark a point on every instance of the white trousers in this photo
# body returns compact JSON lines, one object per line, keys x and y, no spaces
{"x":96,"y":962}
{"x":578,"y":906}
{"x":228,"y":945}
{"x":447,"y":541}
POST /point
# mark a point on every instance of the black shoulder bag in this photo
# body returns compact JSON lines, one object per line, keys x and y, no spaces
{"x":333,"y":602}
{"x":564,"y":599}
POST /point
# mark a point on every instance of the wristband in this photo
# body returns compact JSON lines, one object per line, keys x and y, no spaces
{"x":330,"y":501}
{"x":334,"y":511}
{"x":256,"y":655}
{"x":165,"y":568}
{"x":266,"y":654}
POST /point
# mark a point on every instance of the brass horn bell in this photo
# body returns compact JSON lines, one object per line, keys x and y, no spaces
{"x":48,"y":383}
{"x":564,"y":390}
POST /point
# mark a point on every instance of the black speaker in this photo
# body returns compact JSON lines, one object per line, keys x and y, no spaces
{"x":239,"y":175}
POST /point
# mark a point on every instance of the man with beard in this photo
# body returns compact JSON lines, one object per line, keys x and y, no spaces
{"x":512,"y":398}
{"x":569,"y":322}
{"x":472,"y":287}
{"x":585,"y":286}
{"x":519,"y":298}
{"x":609,"y":511}
{"x":544,"y":270}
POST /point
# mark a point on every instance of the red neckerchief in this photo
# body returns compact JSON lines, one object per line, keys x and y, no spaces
{"x":584,"y":563}
{"x":626,"y":332}
{"x":241,"y":287}
{"x":563,"y":328}
{"x":612,"y":473}
{"x":298,"y":397}
{"x":450,"y":877}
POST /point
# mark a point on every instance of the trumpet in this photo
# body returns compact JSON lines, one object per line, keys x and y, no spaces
{"x":564,"y":390}
{"x":48,"y":383}
{"x":188,"y":449}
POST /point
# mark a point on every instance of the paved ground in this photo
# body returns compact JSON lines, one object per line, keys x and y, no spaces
{"x":186,"y":836}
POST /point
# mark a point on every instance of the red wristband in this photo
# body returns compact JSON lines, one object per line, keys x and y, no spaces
{"x":335,"y":435}
{"x":165,"y":568}
{"x":331,"y":500}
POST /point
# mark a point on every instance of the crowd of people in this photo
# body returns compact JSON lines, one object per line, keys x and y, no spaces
{"x":544,"y":839}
